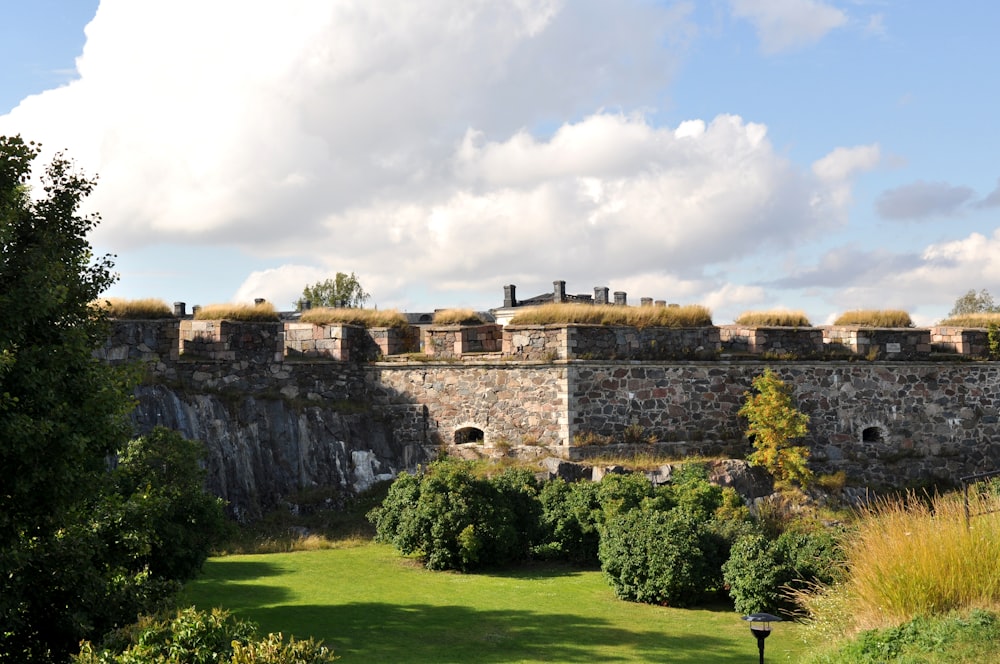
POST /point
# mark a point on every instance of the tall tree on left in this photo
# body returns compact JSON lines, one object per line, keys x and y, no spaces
{"x":62,"y":412}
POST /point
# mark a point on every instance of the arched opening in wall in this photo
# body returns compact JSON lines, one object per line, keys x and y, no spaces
{"x":871,"y":435}
{"x":469,"y":435}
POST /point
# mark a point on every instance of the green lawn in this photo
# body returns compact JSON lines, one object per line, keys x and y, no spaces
{"x":371,"y":605}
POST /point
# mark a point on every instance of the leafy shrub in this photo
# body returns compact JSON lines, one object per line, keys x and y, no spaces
{"x":144,"y":309}
{"x":197,"y":637}
{"x":263,"y":313}
{"x":773,"y":423}
{"x":761,"y":571}
{"x":599,"y":314}
{"x":875,"y":318}
{"x":457,"y":317}
{"x":775,"y":318}
{"x":455,"y":520}
{"x":360,"y":317}
{"x":569,"y":521}
{"x":660,"y":557}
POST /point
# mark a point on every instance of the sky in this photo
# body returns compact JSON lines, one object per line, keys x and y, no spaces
{"x":745,"y":155}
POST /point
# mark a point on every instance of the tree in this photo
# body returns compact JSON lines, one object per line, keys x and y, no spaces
{"x":342,"y":291}
{"x":974,"y":303}
{"x":774,"y":423}
{"x":62,"y":412}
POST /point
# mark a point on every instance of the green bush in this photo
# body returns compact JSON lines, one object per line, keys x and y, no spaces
{"x":570,"y":517}
{"x":761,"y":571}
{"x":660,"y":557}
{"x":197,"y":637}
{"x":455,"y":520}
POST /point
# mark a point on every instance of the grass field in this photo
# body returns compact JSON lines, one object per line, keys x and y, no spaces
{"x":371,"y":605}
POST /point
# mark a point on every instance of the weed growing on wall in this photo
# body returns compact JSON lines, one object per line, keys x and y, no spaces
{"x":773,"y":424}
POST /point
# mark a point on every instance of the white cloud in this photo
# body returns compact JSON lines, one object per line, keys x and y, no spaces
{"x":784,"y":25}
{"x":921,"y":200}
{"x":842,"y":163}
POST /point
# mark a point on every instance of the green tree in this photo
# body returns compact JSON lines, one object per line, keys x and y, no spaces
{"x":773,"y":424}
{"x":62,"y":412}
{"x":344,"y":290}
{"x":974,"y":303}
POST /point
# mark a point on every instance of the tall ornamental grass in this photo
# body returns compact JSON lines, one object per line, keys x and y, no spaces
{"x":259,"y":313}
{"x":692,"y":315}
{"x":351,"y":316}
{"x":973,"y":320}
{"x":908,"y":558}
{"x":142,"y":309}
{"x":774,"y":318}
{"x":457,"y":317}
{"x":875,"y":318}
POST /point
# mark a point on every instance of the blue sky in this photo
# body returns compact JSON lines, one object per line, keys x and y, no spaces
{"x":742,"y":154}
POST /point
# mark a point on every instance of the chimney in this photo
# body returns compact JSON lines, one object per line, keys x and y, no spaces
{"x":509,"y":297}
{"x":646,"y":301}
{"x":180,"y":309}
{"x":558,"y":291}
{"x":621,"y":299}
{"x":600,"y":295}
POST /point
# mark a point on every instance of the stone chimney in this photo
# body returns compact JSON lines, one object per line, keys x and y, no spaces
{"x":558,"y":291}
{"x":601,"y":295}
{"x":646,"y":301}
{"x":180,"y":309}
{"x":509,"y":296}
{"x":621,"y":299}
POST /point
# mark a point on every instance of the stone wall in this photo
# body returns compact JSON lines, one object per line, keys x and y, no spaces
{"x":973,"y":342}
{"x":880,"y":343}
{"x":452,"y":341}
{"x":804,"y":342}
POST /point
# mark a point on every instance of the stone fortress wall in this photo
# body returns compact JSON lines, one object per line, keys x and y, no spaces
{"x":888,"y":406}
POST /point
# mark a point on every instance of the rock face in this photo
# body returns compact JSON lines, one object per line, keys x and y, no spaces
{"x":263,"y":449}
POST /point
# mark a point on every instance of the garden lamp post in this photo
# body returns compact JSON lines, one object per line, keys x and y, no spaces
{"x":760,"y":627}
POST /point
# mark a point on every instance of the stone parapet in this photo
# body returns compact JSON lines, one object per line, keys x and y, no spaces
{"x":150,"y":341}
{"x":879,"y":343}
{"x":306,"y":340}
{"x":802,"y":342}
{"x":229,"y":341}
{"x":536,"y":342}
{"x":453,"y":341}
{"x":973,"y":342}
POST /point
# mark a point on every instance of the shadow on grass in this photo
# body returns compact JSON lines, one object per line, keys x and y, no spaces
{"x":232,"y":585}
{"x":418,"y":633}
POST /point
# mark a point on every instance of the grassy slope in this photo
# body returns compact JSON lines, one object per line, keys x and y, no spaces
{"x":371,"y":605}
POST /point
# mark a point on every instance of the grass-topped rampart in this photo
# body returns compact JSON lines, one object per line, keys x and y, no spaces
{"x":349,"y":316}
{"x":142,"y":309}
{"x":983,"y":320}
{"x":888,"y":318}
{"x":773,"y":318}
{"x":457,"y":317}
{"x":256,"y":313}
{"x":596,"y":314}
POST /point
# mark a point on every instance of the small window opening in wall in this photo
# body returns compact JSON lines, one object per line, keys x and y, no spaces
{"x":871,"y":435}
{"x":469,"y":435}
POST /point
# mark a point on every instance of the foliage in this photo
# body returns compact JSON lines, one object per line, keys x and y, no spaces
{"x":62,"y":412}
{"x":600,"y":314}
{"x":569,"y":521}
{"x":875,"y":318}
{"x":773,"y":423}
{"x":760,"y":571}
{"x":660,"y":557}
{"x":199,"y":637}
{"x":455,"y":520}
{"x":361,"y":317}
{"x":774,"y":318}
{"x":457,"y":317}
{"x":263,"y":312}
{"x":993,"y":340}
{"x":974,"y":303}
{"x":172,"y":521}
{"x":911,"y":557}
{"x":143,"y":309}
{"x":956,"y":638}
{"x":342,"y":291}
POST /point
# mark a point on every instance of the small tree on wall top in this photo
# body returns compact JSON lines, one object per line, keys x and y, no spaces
{"x":773,"y":425}
{"x":343,"y":290}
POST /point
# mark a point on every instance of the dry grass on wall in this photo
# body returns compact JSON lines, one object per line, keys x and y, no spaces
{"x":259,"y":313}
{"x":361,"y":317}
{"x":875,"y":318}
{"x":773,"y":318}
{"x":457,"y":317}
{"x":142,"y":309}
{"x":597,"y":314}
{"x":983,"y":320}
